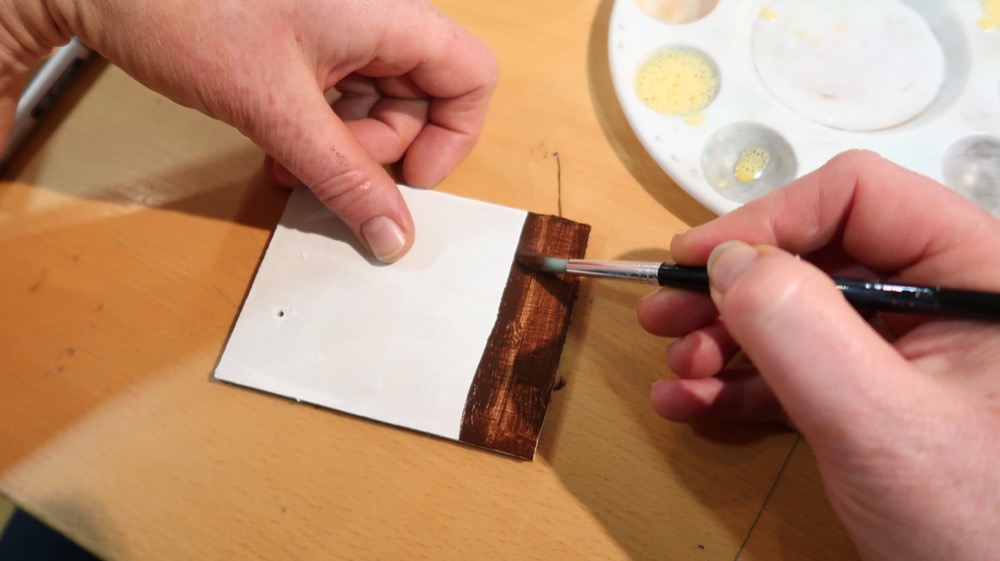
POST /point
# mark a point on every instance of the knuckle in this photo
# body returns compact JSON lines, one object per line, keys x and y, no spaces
{"x":347,"y":191}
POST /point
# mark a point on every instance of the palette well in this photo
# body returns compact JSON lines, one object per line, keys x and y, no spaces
{"x":734,"y":98}
{"x":455,"y":340}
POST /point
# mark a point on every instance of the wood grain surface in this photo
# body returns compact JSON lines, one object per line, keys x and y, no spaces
{"x":130,"y":229}
{"x":513,"y":385}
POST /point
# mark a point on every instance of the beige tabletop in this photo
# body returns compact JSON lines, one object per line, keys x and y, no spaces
{"x":130,"y":230}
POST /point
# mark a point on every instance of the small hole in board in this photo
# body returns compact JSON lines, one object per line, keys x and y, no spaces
{"x":281,"y":313}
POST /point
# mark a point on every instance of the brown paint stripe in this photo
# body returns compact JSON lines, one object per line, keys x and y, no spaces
{"x":513,"y":383}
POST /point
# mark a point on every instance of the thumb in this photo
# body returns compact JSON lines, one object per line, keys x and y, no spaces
{"x":831,"y":371}
{"x":302,"y":133}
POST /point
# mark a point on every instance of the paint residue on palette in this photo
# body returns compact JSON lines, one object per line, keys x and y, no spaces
{"x":695,"y":119}
{"x":679,"y":82}
{"x":751,"y":164}
{"x":991,"y":15}
{"x":852,"y":65}
{"x":677,"y":11}
{"x":768,"y":14}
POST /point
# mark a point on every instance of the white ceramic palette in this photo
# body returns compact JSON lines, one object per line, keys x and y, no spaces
{"x":734,"y":98}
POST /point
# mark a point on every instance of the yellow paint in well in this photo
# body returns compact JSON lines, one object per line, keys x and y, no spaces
{"x":991,"y":15}
{"x":768,"y":14}
{"x":677,"y":82}
{"x":670,"y":12}
{"x":677,"y":11}
{"x":751,"y":164}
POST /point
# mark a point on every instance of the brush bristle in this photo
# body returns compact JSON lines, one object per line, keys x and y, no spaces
{"x":539,"y":262}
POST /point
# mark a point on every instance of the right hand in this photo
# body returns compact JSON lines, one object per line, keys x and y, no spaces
{"x":415,"y":85}
{"x":903,"y":420}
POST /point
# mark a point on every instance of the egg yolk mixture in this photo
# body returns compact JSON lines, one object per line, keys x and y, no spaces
{"x":751,"y":164}
{"x":677,"y":82}
{"x":991,"y":15}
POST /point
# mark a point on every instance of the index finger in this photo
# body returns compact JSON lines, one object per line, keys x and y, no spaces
{"x":457,"y":73}
{"x":461,"y":82}
{"x":884,"y":216}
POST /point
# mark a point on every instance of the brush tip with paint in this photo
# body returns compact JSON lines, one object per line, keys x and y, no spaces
{"x":537,"y":261}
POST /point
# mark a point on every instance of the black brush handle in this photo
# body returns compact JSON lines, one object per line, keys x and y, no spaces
{"x":922,"y":300}
{"x":872,"y":295}
{"x":682,"y":276}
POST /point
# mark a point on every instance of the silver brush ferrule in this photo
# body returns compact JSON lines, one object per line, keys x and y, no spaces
{"x":634,"y":270}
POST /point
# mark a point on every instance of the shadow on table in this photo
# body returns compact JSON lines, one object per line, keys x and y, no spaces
{"x":96,"y":255}
{"x":726,"y":474}
{"x":721,"y":492}
{"x":704,"y":487}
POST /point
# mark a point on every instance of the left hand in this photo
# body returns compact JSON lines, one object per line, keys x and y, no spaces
{"x":415,"y":85}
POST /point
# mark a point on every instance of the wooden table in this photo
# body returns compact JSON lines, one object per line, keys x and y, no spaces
{"x":130,"y":229}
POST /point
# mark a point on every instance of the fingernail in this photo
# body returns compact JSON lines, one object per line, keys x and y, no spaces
{"x":651,"y":297}
{"x":385,"y":238}
{"x":676,"y":238}
{"x":727,"y":261}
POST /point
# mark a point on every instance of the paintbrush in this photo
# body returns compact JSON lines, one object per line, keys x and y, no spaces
{"x":870,"y":295}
